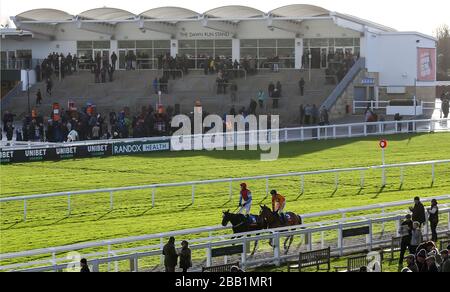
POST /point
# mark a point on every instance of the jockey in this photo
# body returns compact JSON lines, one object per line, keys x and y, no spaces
{"x":245,"y":201}
{"x":278,"y":204}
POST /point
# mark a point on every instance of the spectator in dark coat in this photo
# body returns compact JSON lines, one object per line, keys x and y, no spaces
{"x":412,"y":266}
{"x":185,"y":257}
{"x":433,"y":213}
{"x":84,"y":266}
{"x":420,"y":260}
{"x":432,"y":267}
{"x":301,"y":85}
{"x":170,"y":256}
{"x":405,"y":232}
{"x":418,"y":211}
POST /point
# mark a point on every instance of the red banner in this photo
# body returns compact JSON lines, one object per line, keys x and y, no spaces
{"x":426,"y":64}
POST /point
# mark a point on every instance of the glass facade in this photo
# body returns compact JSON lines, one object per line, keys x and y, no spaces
{"x":266,"y":50}
{"x":87,"y":50}
{"x":146,"y":52}
{"x":198,"y":51}
{"x":325,"y":51}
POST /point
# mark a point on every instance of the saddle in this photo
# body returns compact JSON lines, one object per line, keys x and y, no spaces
{"x":252,"y":220}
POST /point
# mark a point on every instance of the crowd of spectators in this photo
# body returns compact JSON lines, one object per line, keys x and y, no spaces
{"x":88,"y":124}
{"x":339,"y":64}
{"x":423,"y":255}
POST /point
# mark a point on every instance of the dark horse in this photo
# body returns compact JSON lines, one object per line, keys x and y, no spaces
{"x":243,"y":224}
{"x":273,"y":220}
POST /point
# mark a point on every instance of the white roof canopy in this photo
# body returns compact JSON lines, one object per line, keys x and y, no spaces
{"x":106,"y":14}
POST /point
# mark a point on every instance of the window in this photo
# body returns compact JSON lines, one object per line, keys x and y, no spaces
{"x":266,"y":49}
{"x":199,"y":50}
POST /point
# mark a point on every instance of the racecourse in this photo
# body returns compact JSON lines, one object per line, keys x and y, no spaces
{"x":47,"y":223}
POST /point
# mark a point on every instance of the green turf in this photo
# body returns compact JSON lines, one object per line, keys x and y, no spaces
{"x":91,"y":220}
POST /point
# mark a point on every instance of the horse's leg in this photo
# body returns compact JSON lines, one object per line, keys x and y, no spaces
{"x":255,"y":247}
{"x":291,"y":239}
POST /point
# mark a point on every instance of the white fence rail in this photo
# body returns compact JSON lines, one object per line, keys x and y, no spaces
{"x":300,"y":134}
{"x":230,"y":181}
{"x":207,"y":244}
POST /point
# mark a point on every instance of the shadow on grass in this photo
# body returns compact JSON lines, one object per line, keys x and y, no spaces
{"x":60,"y":220}
{"x":359,"y":193}
{"x":186,"y":207}
{"x":11,"y":226}
{"x":380,"y":191}
{"x":104,"y":215}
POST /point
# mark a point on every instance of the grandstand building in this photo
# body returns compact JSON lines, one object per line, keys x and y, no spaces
{"x":392,"y":64}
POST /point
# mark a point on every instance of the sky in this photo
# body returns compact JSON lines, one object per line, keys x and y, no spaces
{"x":403,"y":15}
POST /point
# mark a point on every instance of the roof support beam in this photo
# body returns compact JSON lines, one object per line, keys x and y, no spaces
{"x":102,"y":28}
{"x":43,"y":30}
{"x":161,"y":27}
{"x":219,"y":25}
{"x":285,"y":25}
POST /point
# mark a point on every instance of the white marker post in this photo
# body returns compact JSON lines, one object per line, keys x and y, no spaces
{"x":383,"y":146}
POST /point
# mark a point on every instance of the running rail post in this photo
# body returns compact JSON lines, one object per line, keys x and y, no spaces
{"x":432,"y":173}
{"x":336,"y":181}
{"x":302,"y":184}
{"x":153,"y":197}
{"x":267,"y":188}
{"x":68,"y":205}
{"x":24,"y":210}
{"x":231,"y":189}
{"x":111,"y":201}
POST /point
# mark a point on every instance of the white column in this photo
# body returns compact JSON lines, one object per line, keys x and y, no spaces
{"x":298,"y":53}
{"x":173,"y":48}
{"x":236,"y":49}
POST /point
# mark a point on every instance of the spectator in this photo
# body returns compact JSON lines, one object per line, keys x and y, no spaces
{"x":252,"y":107}
{"x":170,"y":256}
{"x":38,"y":97}
{"x":96,"y":132}
{"x":9,"y":131}
{"x":315,"y":114}
{"x":113,"y":60}
{"x":261,"y":98}
{"x":49,"y":86}
{"x":398,"y":118}
{"x":110,"y":70}
{"x":84,"y":266}
{"x":411,"y":262}
{"x":432,"y":267}
{"x":278,"y":87}
{"x":302,"y":114}
{"x":72,"y":136}
{"x":433,"y":218}
{"x":418,"y":211}
{"x":185,"y":257}
{"x":155,"y":85}
{"x":271,"y":89}
{"x":420,"y":261}
{"x":416,"y":238}
{"x":405,"y":232}
{"x":301,"y":84}
{"x":308,"y":114}
{"x":324,"y":118}
{"x":445,"y":266}
{"x":233,"y":92}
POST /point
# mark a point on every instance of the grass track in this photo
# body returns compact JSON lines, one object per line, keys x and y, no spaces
{"x":48,"y":224}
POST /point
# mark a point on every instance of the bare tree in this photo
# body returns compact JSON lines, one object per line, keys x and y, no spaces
{"x":442,"y":33}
